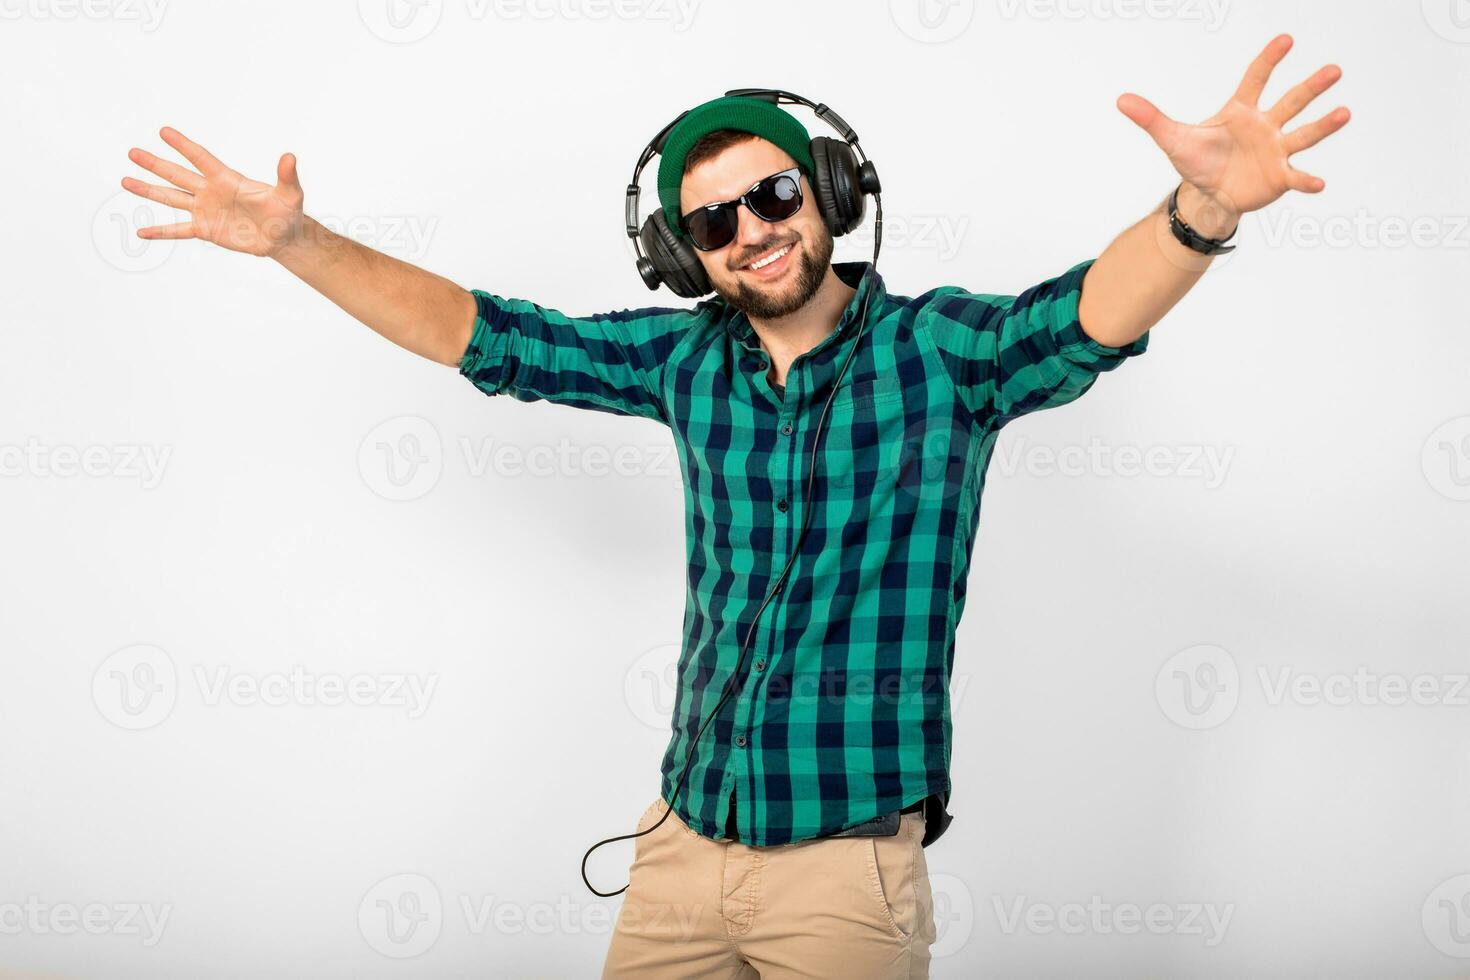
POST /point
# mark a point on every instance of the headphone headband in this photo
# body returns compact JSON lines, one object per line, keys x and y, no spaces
{"x":775,"y":96}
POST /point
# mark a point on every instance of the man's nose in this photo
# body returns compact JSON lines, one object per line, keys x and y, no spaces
{"x":752,"y":230}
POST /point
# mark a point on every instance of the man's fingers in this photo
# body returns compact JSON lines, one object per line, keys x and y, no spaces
{"x":1301,"y":96}
{"x":171,"y":172}
{"x":167,"y":196}
{"x":1299,"y":180}
{"x":1259,"y":72}
{"x":1313,"y":133}
{"x":193,"y":152}
{"x":184,"y":229}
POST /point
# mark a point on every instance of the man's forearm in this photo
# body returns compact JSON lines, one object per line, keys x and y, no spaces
{"x":1145,"y":271}
{"x":414,"y":308}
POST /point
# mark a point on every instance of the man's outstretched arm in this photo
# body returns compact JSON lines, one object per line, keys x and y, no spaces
{"x":414,"y":308}
{"x":1233,"y":163}
{"x":611,"y":362}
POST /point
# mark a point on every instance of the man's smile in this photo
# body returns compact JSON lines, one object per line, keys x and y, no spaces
{"x":769,"y":264}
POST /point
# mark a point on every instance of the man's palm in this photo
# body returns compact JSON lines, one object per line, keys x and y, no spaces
{"x":1240,"y":157}
{"x":224,"y":206}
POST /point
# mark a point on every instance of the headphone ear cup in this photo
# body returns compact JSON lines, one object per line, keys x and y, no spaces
{"x":835,"y":182}
{"x":673,"y":258}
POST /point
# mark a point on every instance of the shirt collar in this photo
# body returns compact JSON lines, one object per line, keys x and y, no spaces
{"x":864,"y":279}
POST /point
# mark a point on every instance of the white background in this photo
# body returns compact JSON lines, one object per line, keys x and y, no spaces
{"x":1325,"y":366}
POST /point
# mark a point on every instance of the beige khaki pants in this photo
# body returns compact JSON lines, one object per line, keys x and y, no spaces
{"x":844,"y":908}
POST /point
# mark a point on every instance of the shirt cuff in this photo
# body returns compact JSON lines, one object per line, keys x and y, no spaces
{"x":484,"y":358}
{"x":1072,"y":341}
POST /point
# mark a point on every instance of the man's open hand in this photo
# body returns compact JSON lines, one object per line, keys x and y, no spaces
{"x":1237,"y":161}
{"x":224,"y":207}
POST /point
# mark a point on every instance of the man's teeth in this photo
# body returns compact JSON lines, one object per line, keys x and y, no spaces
{"x":769,"y":259}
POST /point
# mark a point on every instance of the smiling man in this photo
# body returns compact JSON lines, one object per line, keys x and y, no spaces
{"x":833,"y":437}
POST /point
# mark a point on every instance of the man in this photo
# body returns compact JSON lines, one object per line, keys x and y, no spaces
{"x":796,"y":844}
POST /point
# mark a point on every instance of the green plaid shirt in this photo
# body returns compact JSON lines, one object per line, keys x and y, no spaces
{"x":843,"y":712}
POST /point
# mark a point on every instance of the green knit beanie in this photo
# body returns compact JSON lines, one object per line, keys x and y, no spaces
{"x":756,"y":116}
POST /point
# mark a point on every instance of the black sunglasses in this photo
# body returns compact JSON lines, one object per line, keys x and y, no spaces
{"x":774,"y":198}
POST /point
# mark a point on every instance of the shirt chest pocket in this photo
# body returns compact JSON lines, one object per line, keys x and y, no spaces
{"x":862,"y":398}
{"x":863,"y":442}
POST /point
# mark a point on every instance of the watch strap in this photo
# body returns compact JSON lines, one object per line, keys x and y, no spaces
{"x":1190,"y":238}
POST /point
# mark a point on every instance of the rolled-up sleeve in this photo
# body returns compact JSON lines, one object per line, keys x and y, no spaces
{"x":607,"y":362}
{"x":1010,"y":355}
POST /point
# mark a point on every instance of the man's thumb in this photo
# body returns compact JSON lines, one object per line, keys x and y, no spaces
{"x":286,"y":171}
{"x":1145,"y":114}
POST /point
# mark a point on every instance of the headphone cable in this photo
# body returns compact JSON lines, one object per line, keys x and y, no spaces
{"x":775,"y":589}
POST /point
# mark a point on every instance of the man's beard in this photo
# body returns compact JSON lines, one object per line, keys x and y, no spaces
{"x":811,"y":270}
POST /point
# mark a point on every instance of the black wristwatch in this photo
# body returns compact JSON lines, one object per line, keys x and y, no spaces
{"x":1187,"y":236}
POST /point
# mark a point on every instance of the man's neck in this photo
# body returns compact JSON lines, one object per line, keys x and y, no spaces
{"x":787,"y":338}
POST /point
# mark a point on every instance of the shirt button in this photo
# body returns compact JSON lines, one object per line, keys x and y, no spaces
{"x":740,"y":740}
{"x":760,"y":665}
{"x":786,"y":429}
{"x":781,"y":505}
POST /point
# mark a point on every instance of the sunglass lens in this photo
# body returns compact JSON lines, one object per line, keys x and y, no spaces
{"x":712,"y":228}
{"x":776,"y":198}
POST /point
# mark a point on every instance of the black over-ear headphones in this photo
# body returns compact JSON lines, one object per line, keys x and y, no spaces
{"x":841,"y":180}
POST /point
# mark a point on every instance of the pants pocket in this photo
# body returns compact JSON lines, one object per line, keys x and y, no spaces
{"x":649,"y":818}
{"x":894,"y":869}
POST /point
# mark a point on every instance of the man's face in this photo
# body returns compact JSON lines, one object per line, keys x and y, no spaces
{"x":780,"y":287}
